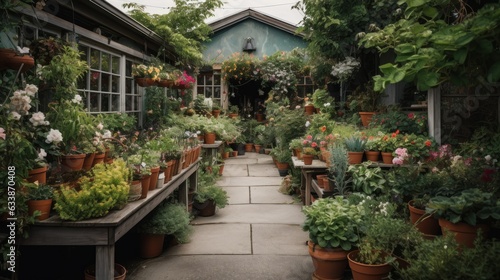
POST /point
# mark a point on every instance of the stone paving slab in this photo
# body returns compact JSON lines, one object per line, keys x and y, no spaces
{"x":262,"y":170}
{"x":248,"y":181}
{"x":241,"y":161}
{"x":238,"y":195}
{"x":216,"y":239}
{"x":256,"y":213}
{"x":269,"y":194}
{"x":235,"y":170}
{"x":279,"y":240}
{"x":224,"y":267}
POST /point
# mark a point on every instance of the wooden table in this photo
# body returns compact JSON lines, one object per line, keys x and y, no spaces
{"x":307,"y":172}
{"x":104,"y":232}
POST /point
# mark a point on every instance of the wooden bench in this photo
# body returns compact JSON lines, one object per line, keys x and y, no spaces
{"x":104,"y":232}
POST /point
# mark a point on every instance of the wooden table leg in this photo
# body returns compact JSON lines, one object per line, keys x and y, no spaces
{"x":105,"y":262}
{"x":308,"y":187}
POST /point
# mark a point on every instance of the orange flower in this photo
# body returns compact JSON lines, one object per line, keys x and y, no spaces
{"x":428,"y":143}
{"x":323,"y":128}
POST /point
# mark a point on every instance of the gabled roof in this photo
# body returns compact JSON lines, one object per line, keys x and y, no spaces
{"x":252,"y":14}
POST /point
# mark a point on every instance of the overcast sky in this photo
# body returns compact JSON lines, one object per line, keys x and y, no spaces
{"x":280,"y":9}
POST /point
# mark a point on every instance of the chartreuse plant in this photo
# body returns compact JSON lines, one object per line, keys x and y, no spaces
{"x":367,"y":179}
{"x":333,"y":222}
{"x":105,"y":188}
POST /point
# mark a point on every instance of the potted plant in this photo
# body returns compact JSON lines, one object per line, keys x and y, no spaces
{"x":216,"y":109}
{"x":106,"y":187}
{"x":367,"y":179}
{"x":44,"y":49}
{"x":296,"y":147}
{"x":145,"y":75}
{"x":308,"y":154}
{"x":355,"y":146}
{"x":282,"y":155}
{"x":168,"y":218}
{"x":365,"y":100}
{"x":383,"y":241}
{"x":39,"y":200}
{"x":208,"y":198}
{"x":465,"y":213}
{"x":372,"y":150}
{"x":333,"y":225}
{"x":233,"y":110}
{"x":320,"y":97}
{"x":165,"y":79}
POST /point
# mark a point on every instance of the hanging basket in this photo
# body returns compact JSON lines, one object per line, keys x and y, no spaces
{"x":145,"y":82}
{"x":9,"y":59}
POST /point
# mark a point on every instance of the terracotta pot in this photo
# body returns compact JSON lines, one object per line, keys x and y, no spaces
{"x":87,"y":163}
{"x":145,"y":185}
{"x":387,"y":157}
{"x":151,"y":245}
{"x":145,"y":82}
{"x":320,"y":179}
{"x":135,"y":191}
{"x":309,"y":109}
{"x":225,"y":155}
{"x":216,"y":113}
{"x":298,"y":153}
{"x":38,"y":174}
{"x":155,"y":171}
{"x":248,"y":147}
{"x":98,"y":158}
{"x":361,"y":271}
{"x":234,"y":153}
{"x":119,"y":274}
{"x":72,"y":162}
{"x":329,"y":263}
{"x":9,"y":59}
{"x":257,"y":148}
{"x":355,"y":157}
{"x":221,"y":169}
{"x":233,"y":115}
{"x":328,"y":184}
{"x":209,"y":138}
{"x":465,"y":234}
{"x":372,"y":155}
{"x":259,"y":117}
{"x":426,"y":225}
{"x":308,"y":159}
{"x":206,"y":209}
{"x":366,"y":118}
{"x":43,"y":206}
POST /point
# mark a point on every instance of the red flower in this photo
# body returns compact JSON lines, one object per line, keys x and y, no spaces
{"x":411,"y":115}
{"x":428,"y":143}
{"x":323,"y":128}
{"x":314,"y":145}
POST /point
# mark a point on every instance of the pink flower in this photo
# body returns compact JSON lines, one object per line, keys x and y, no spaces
{"x":314,"y":144}
{"x":305,"y":142}
{"x":397,"y":160}
{"x":2,"y":133}
{"x":411,"y":115}
{"x":309,"y":137}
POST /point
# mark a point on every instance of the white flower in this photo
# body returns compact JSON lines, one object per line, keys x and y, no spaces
{"x":198,"y":132}
{"x":2,"y":133}
{"x":445,"y":247}
{"x":42,"y":154}
{"x":297,"y":107}
{"x":100,"y":126}
{"x":54,"y":136}
{"x":77,"y":99}
{"x":326,"y":105}
{"x":308,"y":123}
{"x":38,"y":119}
{"x":487,"y":158}
{"x":31,"y":90}
{"x":15,"y":115}
{"x":107,"y":134}
{"x":23,"y":50}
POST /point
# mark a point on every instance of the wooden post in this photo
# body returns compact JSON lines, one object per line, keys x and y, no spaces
{"x":434,"y":112}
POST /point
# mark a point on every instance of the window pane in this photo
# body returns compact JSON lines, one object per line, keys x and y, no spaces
{"x":208,"y":92}
{"x":94,"y":59}
{"x":116,"y":65}
{"x":94,"y":80}
{"x":128,"y":68}
{"x":115,"y":85}
{"x":105,"y":82}
{"x":137,"y":99}
{"x":106,"y":62}
{"x":216,"y":92}
{"x":94,"y":102}
{"x":105,"y":102}
{"x":128,"y":85}
{"x":217,"y":79}
{"x":128,"y":103}
{"x":116,"y":103}
{"x":209,"y":80}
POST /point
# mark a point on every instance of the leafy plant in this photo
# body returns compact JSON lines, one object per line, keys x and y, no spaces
{"x":471,"y":206}
{"x":406,"y":123}
{"x":333,"y":222}
{"x":39,"y":191}
{"x":367,"y":179}
{"x":212,"y":192}
{"x":168,"y":218}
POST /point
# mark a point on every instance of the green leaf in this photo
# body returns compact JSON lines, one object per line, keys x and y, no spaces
{"x":460,"y":55}
{"x":387,"y":69}
{"x":415,"y":3}
{"x":494,"y":73}
{"x":430,"y":12}
{"x":405,"y":48}
{"x":465,"y":39}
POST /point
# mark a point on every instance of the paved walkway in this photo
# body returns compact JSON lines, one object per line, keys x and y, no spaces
{"x":257,"y":236}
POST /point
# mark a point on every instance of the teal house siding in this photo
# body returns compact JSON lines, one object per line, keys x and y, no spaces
{"x":269,"y":36}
